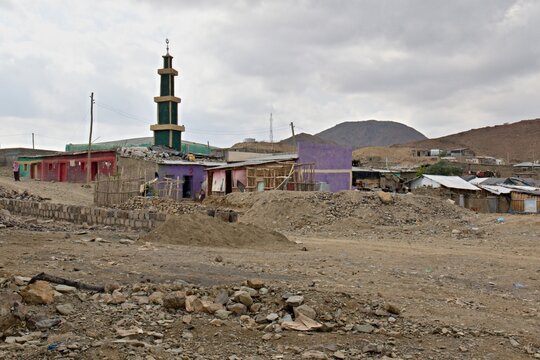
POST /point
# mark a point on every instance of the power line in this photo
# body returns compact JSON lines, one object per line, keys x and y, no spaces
{"x":191,"y":130}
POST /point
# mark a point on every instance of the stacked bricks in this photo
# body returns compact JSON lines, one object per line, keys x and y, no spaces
{"x":140,"y":219}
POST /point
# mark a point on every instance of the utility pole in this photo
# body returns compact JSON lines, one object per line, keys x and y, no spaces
{"x":89,"y":161}
{"x":33,"y":147}
{"x":293,"y":136}
{"x":271,"y":129}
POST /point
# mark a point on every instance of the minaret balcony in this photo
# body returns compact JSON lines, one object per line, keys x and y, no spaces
{"x":160,"y":99}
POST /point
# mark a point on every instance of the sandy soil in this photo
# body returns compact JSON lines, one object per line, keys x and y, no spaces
{"x":59,"y":192}
{"x":462,"y":295}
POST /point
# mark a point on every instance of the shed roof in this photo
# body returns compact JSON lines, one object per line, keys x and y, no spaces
{"x":186,"y":162}
{"x":258,"y":161}
{"x":451,"y":182}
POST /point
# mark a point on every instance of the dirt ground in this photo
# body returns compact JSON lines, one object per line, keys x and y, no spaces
{"x":465,"y":286}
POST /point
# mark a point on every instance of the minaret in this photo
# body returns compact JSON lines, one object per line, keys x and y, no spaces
{"x":167,"y":132}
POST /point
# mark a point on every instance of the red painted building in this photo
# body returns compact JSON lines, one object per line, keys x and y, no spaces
{"x":72,"y":167}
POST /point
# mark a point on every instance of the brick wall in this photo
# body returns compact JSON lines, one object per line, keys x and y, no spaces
{"x":143,"y":220}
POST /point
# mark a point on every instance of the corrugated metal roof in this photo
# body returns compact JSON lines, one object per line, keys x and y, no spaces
{"x":496,"y":189}
{"x":259,"y":161}
{"x":185,"y":162}
{"x":451,"y":182}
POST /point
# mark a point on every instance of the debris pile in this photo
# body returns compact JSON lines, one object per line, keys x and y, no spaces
{"x":15,"y":195}
{"x":170,"y":320}
{"x":163,"y":205}
{"x":203,"y":230}
{"x":316,"y":211}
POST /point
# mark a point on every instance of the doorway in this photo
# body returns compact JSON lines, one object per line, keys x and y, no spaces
{"x":187,"y":187}
{"x":62,"y":170}
{"x":228,"y":182}
{"x":94,"y":170}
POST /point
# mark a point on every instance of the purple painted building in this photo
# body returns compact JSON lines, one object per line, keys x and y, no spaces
{"x":333,"y":164}
{"x":191,"y":173}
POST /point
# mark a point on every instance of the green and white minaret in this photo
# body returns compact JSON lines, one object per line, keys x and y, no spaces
{"x":167,"y":132}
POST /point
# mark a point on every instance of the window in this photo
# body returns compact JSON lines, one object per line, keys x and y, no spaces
{"x":25,"y":167}
{"x":50,"y":167}
{"x":82,"y":165}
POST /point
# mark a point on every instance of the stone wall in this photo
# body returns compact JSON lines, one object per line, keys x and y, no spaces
{"x":144,"y":220}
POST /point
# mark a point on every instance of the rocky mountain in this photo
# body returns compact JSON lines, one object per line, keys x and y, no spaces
{"x":515,"y":142}
{"x":359,"y":134}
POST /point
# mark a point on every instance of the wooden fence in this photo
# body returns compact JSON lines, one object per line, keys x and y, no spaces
{"x":115,"y":190}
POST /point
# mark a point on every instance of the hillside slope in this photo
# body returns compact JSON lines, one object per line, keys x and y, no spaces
{"x":358,"y":134}
{"x":516,"y":142}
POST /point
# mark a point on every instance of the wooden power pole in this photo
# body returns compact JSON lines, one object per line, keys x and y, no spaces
{"x":89,"y":161}
{"x":293,"y":136}
{"x":33,"y":146}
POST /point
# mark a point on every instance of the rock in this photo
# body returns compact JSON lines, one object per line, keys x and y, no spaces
{"x":314,"y":354}
{"x":194,"y":304}
{"x":211,"y":307}
{"x":305,"y":310}
{"x":267,"y":337}
{"x":339,"y":355}
{"x":110,"y":287}
{"x":156,"y":298}
{"x":263,"y":291}
{"x":222,"y":314}
{"x":222,"y":298}
{"x":251,"y":291}
{"x":385,"y":197}
{"x":255,"y":308}
{"x":295,"y":300}
{"x":373,"y":348}
{"x":514,"y":343}
{"x":217,"y":322}
{"x":260,"y":319}
{"x":38,"y":293}
{"x":131,"y":332}
{"x":255,"y":283}
{"x":243,"y":297}
{"x":65,"y":309}
{"x":301,"y":323}
{"x":218,"y":259}
{"x":117,"y":297}
{"x":272,"y":317}
{"x":186,"y":319}
{"x":21,"y":280}
{"x":247,"y":322}
{"x":126,"y":241}
{"x":65,"y":289}
{"x":42,"y":322}
{"x":364,"y":328}
{"x":8,"y":319}
{"x":392,"y":309}
{"x":174,"y":300}
{"x":141,"y":300}
{"x":237,"y":308}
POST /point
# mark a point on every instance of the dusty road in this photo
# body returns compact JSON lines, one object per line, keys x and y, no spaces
{"x":461,"y":295}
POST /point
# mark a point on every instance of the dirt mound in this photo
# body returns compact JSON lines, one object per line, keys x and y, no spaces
{"x":201,"y":230}
{"x":18,"y":195}
{"x":344,"y":211}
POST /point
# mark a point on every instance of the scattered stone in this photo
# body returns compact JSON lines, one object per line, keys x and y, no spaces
{"x":117,"y":297}
{"x":38,"y":293}
{"x":392,"y":309}
{"x":305,"y":310}
{"x":514,"y":343}
{"x":267,"y":337}
{"x":385,"y":197}
{"x":222,"y":314}
{"x":314,"y":355}
{"x":339,"y":355}
{"x":237,"y":308}
{"x":126,"y":241}
{"x":194,"y":304}
{"x":272,"y":317}
{"x":65,"y":289}
{"x":364,"y":328}
{"x":156,"y":298}
{"x":175,"y":300}
{"x":247,"y":322}
{"x":218,"y":259}
{"x":222,"y":298}
{"x":255,"y":283}
{"x":65,"y":309}
{"x":295,"y":300}
{"x":243,"y":297}
{"x":217,"y":322}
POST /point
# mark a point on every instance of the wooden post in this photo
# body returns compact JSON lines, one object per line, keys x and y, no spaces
{"x":293,"y":136}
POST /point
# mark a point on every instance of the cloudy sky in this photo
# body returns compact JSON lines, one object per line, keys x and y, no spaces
{"x":439,"y":66}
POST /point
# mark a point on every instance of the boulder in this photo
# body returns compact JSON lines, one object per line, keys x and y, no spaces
{"x":38,"y":293}
{"x":174,"y":300}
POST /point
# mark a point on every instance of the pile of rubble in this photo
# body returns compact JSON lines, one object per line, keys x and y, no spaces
{"x":7,"y":220}
{"x":183,"y":320}
{"x":163,"y":205}
{"x":343,"y":211}
{"x":25,"y":195}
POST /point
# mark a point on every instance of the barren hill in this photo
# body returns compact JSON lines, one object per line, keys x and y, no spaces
{"x":358,"y":134}
{"x":515,"y":142}
{"x":305,"y":137}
